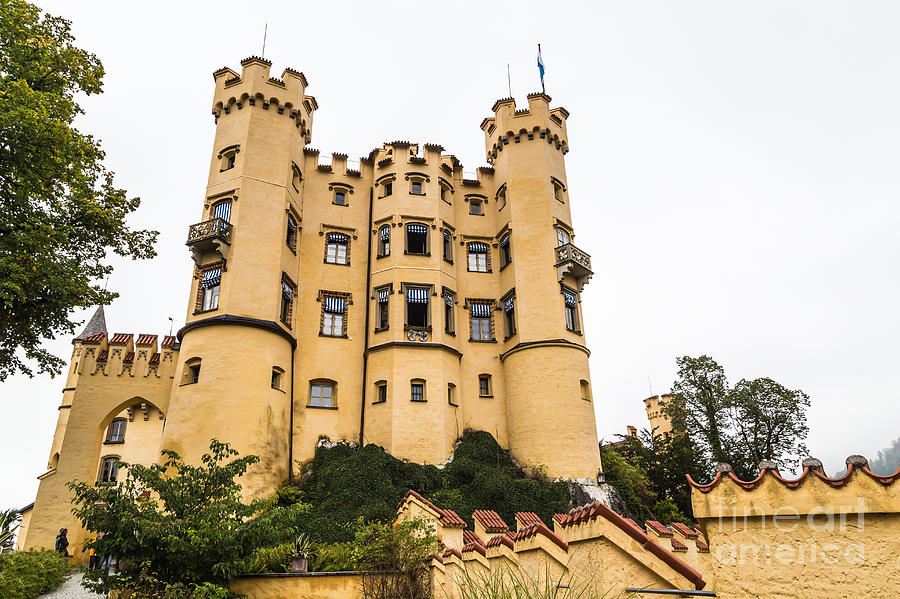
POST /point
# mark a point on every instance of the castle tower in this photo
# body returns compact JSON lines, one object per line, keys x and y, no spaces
{"x":549,"y":406}
{"x":237,"y":346}
{"x":660,"y":424}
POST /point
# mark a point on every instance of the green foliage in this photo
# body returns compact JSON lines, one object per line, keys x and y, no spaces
{"x":888,"y":460}
{"x":9,"y":523}
{"x":336,"y":557}
{"x":481,"y":476}
{"x":270,"y":559}
{"x":27,"y":574}
{"x":741,"y":425}
{"x":302,"y":547}
{"x":631,"y":480}
{"x":288,"y":495}
{"x":508,"y":582}
{"x":60,"y":212}
{"x":394,"y":556}
{"x":198,"y":531}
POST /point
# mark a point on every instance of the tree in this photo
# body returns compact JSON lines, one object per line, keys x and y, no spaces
{"x":888,"y":460}
{"x":179,"y":528}
{"x":60,"y":212}
{"x":769,"y":422}
{"x":394,"y":558}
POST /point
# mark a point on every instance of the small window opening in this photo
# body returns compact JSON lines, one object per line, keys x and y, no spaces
{"x":417,"y":390}
{"x":417,"y":303}
{"x":384,"y":241}
{"x":476,"y":207}
{"x":116,"y":431}
{"x":484,"y":385}
{"x":276,"y":378}
{"x":417,"y":239}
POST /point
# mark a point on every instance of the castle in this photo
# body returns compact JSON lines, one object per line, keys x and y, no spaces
{"x":397,"y":303}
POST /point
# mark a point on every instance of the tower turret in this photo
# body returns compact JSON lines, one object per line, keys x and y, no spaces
{"x":237,"y":346}
{"x":548,"y":396}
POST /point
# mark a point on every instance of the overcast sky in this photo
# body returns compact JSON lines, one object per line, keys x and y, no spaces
{"x":733,"y":174}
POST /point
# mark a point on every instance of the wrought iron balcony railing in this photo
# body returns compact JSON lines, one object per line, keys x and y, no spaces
{"x":574,"y":262}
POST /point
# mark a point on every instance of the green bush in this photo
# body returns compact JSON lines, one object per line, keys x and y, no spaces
{"x":335,"y":557}
{"x":270,"y":559}
{"x":27,"y":574}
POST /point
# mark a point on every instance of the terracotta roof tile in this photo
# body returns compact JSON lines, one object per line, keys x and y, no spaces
{"x":659,"y":528}
{"x":474,"y":547}
{"x":559,"y":518}
{"x":448,"y":518}
{"x":597,"y":509}
{"x":500,"y":540}
{"x":129,"y":358}
{"x":678,"y":545}
{"x":491,"y":520}
{"x":683,"y":530}
{"x":635,"y":524}
{"x":539,"y":528}
{"x":726,"y":472}
{"x":450,"y":552}
{"x":169,"y":341}
{"x":102,"y":356}
{"x":528,"y":518}
{"x":701,"y":546}
{"x":154,"y":359}
{"x":470,"y":537}
{"x":120,"y":339}
{"x":95,"y":338}
{"x":146,"y":339}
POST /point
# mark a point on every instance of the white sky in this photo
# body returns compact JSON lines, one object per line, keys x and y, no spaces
{"x":733,"y":173}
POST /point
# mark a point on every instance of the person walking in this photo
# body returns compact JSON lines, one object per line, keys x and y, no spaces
{"x":62,"y":543}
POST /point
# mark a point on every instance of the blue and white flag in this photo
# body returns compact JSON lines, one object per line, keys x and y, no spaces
{"x":541,"y":68}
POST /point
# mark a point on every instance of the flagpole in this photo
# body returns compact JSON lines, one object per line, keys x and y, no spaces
{"x":541,"y":69}
{"x":508,"y":80}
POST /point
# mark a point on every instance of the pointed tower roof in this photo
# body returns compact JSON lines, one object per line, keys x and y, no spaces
{"x":97,"y":324}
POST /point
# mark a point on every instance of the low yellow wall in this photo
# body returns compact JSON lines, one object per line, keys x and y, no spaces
{"x":313,"y":585}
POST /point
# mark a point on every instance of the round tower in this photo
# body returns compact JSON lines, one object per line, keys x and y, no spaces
{"x":549,"y":405}
{"x":233,"y":380}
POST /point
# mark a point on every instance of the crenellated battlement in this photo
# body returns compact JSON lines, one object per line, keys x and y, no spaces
{"x":255,"y":87}
{"x":538,"y":121}
{"x":126,"y":355}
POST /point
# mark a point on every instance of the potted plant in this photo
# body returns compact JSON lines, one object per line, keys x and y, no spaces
{"x":302,"y":552}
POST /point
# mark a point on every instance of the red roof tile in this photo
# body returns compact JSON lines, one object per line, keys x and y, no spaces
{"x":129,"y":358}
{"x":539,"y":528}
{"x":121,"y":339}
{"x":491,"y":520}
{"x":659,"y":528}
{"x":558,"y":518}
{"x":448,"y":518}
{"x":450,"y":552}
{"x":500,"y":540}
{"x":95,"y":338}
{"x":474,"y":547}
{"x":470,"y":537}
{"x":146,"y":339}
{"x":528,"y":518}
{"x":596,"y":509}
{"x":701,"y":546}
{"x":154,"y":359}
{"x":678,"y":545}
{"x":102,"y":356}
{"x":683,"y":530}
{"x":169,"y":341}
{"x":635,"y":524}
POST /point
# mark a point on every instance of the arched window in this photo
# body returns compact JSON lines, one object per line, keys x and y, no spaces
{"x":296,"y":176}
{"x":478,"y":257}
{"x":109,"y":469}
{"x":337,"y":249}
{"x":191,"y":371}
{"x":562,"y":236}
{"x":116,"y":431}
{"x":501,"y":197}
{"x":228,"y":156}
{"x":505,"y":251}
{"x":221,"y":210}
{"x":384,"y":241}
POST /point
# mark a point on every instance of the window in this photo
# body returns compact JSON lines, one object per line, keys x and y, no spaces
{"x":383,"y":315}
{"x":192,"y":371}
{"x":417,"y":390}
{"x":415,"y":187}
{"x":380,"y":392}
{"x":296,"y":177}
{"x":109,"y":469}
{"x":290,"y":237}
{"x":388,"y":189}
{"x":478,"y":257}
{"x":451,"y":394}
{"x":562,"y":236}
{"x":340,"y":197}
{"x":501,"y":197}
{"x":417,"y":239}
{"x":585,"y":390}
{"x":337,"y":249}
{"x":448,"y":246}
{"x":321,"y":395}
{"x":417,"y":307}
{"x":277,"y":375}
{"x":116,"y":431}
{"x":509,"y":316}
{"x":449,"y":301}
{"x":484,"y":385}
{"x":476,"y":207}
{"x":384,"y":241}
{"x":480,"y":316}
{"x":505,"y":251}
{"x":571,"y":303}
{"x":559,"y":190}
{"x":208,"y":296}
{"x":222,"y":210}
{"x":228,"y":157}
{"x":446,"y":190}
{"x":288,"y":291}
{"x":334,"y":323}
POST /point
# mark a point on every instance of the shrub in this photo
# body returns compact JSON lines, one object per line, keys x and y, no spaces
{"x":27,"y":574}
{"x":394,"y":559}
{"x":335,"y":557}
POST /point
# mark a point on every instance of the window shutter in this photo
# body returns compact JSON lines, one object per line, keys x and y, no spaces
{"x":334,"y":305}
{"x":211,"y":278}
{"x":222,"y":210}
{"x":286,"y":290}
{"x":416,"y":228}
{"x":508,"y":306}
{"x":337,"y":238}
{"x":385,"y":233}
{"x":570,"y":299}
{"x":417,"y":296}
{"x":383,"y":295}
{"x":476,"y":247}
{"x":480,"y":310}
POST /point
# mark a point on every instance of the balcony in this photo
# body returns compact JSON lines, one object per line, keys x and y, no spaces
{"x":573,"y":262}
{"x":209,"y":236}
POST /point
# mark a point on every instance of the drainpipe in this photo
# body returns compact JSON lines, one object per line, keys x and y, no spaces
{"x":362,"y":407}
{"x":291,"y":426}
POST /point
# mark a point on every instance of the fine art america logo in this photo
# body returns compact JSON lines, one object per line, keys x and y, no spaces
{"x":820,"y":535}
